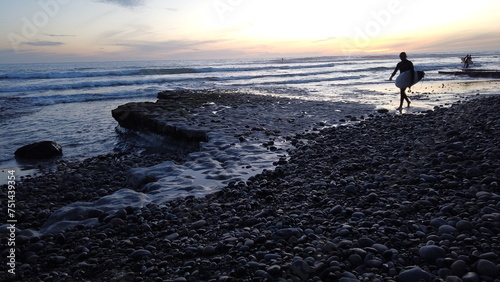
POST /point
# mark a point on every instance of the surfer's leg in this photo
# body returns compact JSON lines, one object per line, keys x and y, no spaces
{"x":402,"y":98}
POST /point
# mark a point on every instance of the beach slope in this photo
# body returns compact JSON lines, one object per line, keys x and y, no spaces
{"x":392,"y":198}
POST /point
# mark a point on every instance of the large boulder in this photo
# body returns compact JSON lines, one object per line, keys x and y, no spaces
{"x":39,"y":150}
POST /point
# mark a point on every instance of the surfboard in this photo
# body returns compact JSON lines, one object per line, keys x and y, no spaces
{"x":403,"y":80}
{"x":469,"y":60}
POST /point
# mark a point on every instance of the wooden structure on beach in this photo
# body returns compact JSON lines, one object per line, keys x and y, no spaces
{"x":475,"y":73}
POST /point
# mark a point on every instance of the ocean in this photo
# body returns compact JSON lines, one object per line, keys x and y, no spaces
{"x":71,"y":103}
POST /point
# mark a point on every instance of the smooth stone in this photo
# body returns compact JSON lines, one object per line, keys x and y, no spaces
{"x":365,"y":242}
{"x":350,"y":189}
{"x":301,"y":269}
{"x":432,"y":252}
{"x":198,"y":224}
{"x":274,"y":270}
{"x":286,"y":233}
{"x":489,"y":256}
{"x":447,"y":229}
{"x":39,"y":150}
{"x":428,"y":178}
{"x":458,"y":146}
{"x":347,"y":279}
{"x":57,"y":259}
{"x":459,"y":268}
{"x":208,"y":251}
{"x":271,"y":257}
{"x":470,"y":277}
{"x":437,"y":222}
{"x":452,"y":278}
{"x":415,"y":274}
{"x":380,"y":248}
{"x":463,"y":225}
{"x":473,"y":172}
{"x":140,"y":253}
{"x":336,"y":209}
{"x":375,"y":263}
{"x":355,"y":259}
{"x":487,"y":268}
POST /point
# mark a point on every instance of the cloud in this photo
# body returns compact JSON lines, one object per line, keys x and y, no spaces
{"x":466,"y":40}
{"x":43,"y":43}
{"x":124,"y":3}
{"x":168,"y":46}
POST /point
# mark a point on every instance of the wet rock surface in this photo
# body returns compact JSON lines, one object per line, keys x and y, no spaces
{"x":393,"y":198}
{"x":39,"y":150}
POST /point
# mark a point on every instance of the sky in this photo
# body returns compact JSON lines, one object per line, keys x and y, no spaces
{"x":116,"y":30}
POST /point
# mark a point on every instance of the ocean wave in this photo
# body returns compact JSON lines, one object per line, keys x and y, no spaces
{"x":167,"y":71}
{"x":92,"y":84}
{"x":84,"y":97}
{"x":277,"y":66}
{"x":81,"y":73}
{"x":76,"y":84}
{"x":111,"y":73}
{"x":298,"y":81}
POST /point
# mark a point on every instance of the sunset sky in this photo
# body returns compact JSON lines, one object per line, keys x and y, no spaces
{"x":110,"y":30}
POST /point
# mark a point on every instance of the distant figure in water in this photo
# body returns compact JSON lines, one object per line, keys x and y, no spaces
{"x":467,"y":60}
{"x":404,"y":65}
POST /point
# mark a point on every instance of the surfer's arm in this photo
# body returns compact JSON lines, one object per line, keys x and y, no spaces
{"x":394,"y":72}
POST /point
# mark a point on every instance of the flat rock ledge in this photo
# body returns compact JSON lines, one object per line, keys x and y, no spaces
{"x":169,"y":116}
{"x":193,"y":115}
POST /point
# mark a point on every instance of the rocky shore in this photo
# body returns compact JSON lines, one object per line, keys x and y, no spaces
{"x":392,"y":198}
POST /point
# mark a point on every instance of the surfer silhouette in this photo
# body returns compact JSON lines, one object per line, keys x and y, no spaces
{"x":467,"y":60}
{"x":404,"y":65}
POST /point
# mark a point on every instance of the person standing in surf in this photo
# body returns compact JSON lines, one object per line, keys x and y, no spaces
{"x":404,"y":65}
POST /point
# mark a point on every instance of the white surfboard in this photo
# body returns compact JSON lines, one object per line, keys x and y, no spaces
{"x":403,"y":80}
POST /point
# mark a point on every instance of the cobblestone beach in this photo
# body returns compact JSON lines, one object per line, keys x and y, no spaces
{"x":410,"y":197}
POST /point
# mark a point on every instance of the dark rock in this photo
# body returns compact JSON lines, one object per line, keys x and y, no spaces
{"x":464,"y":225}
{"x":459,"y":268}
{"x":351,"y":189}
{"x":39,"y":150}
{"x":415,"y":274}
{"x":274,"y":270}
{"x":428,"y":178}
{"x":473,"y":172}
{"x":137,"y":254}
{"x":301,"y":269}
{"x":470,"y":277}
{"x":286,"y":233}
{"x":198,"y":224}
{"x":57,"y":259}
{"x":487,"y":268}
{"x":431,"y":252}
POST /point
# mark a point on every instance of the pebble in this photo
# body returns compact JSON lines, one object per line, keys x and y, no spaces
{"x":464,"y":225}
{"x":487,"y":268}
{"x":459,"y":268}
{"x":432,"y":252}
{"x":137,"y":254}
{"x":415,"y":274}
{"x":300,"y":268}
